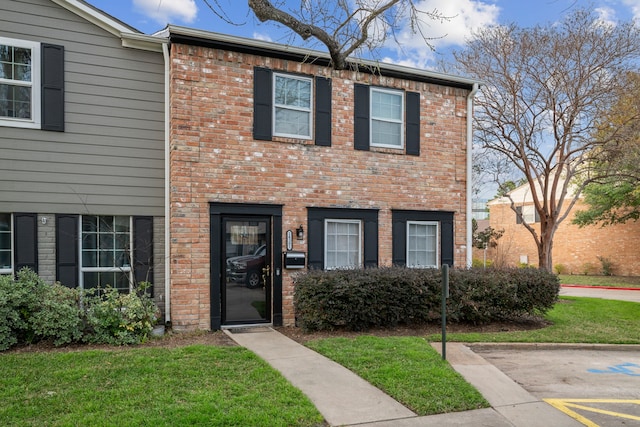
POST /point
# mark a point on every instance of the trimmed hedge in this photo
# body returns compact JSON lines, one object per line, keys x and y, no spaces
{"x":388,"y":296}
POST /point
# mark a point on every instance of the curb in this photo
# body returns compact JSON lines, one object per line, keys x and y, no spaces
{"x":552,"y":346}
{"x":613,"y":288}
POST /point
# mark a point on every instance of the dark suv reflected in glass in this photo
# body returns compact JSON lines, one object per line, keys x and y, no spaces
{"x":248,"y":268}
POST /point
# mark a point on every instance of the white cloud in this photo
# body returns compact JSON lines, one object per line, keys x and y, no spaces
{"x":262,"y":36}
{"x":634,"y":5}
{"x":606,"y":16}
{"x":168,"y":11}
{"x":466,"y":16}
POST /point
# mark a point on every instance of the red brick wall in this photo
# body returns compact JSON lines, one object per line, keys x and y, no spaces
{"x":577,"y":249}
{"x":214,"y":158}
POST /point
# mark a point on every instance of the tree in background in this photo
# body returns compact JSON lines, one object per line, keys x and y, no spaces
{"x":343,"y":26}
{"x":546,"y":87}
{"x":615,"y":197}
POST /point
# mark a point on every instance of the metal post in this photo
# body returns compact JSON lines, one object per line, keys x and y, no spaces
{"x":445,"y":295}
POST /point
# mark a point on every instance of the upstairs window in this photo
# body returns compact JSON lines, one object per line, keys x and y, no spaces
{"x":292,"y":115}
{"x":291,"y":106}
{"x":19,"y":83}
{"x":387,"y":118}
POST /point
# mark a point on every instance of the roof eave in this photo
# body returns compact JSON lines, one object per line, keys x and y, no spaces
{"x":191,"y":36}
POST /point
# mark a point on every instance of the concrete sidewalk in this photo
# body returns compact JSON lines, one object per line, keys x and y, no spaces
{"x":344,"y":399}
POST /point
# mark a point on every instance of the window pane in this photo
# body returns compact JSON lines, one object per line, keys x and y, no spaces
{"x":5,"y":240}
{"x":293,"y":92}
{"x":90,"y":280}
{"x":89,"y":224}
{"x":105,"y":224}
{"x":386,"y":133}
{"x":342,"y":244}
{"x":121,"y":281}
{"x":292,"y":122}
{"x":90,"y":241}
{"x":385,"y":105}
{"x":122,"y":224}
{"x":5,"y":222}
{"x":106,"y":241}
{"x":422,"y":245}
{"x":15,"y":101}
{"x":89,"y":258}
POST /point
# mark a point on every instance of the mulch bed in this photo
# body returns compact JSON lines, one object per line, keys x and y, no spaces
{"x":219,"y":338}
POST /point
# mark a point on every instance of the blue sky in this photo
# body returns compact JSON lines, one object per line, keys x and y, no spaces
{"x":150,"y":16}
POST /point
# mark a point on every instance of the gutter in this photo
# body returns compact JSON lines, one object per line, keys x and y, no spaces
{"x":167,"y":183}
{"x":473,"y":92}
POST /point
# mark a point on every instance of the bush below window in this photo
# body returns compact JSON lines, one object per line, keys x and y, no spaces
{"x":384,"y":297}
{"x":32,"y":310}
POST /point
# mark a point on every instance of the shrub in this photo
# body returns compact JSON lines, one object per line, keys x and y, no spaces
{"x":117,"y":318}
{"x":59,"y":316}
{"x":560,"y":268}
{"x":607,"y":266}
{"x":382,"y":297}
{"x":479,"y":263}
{"x":32,"y":310}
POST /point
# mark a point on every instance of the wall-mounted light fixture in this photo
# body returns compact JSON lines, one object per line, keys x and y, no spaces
{"x":300,"y":233}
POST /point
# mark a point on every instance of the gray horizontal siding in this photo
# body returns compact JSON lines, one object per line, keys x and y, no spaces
{"x":110,"y":159}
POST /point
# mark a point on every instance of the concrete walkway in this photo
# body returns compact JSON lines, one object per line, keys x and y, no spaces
{"x":626,"y":294}
{"x":344,"y":399}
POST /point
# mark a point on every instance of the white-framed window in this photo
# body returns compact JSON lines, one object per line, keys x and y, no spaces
{"x":342,"y":243}
{"x":526,"y":214}
{"x":105,"y":248}
{"x":387,"y":118}
{"x":422,"y":244}
{"x":292,"y":106}
{"x":6,"y":243}
{"x":19,"y":83}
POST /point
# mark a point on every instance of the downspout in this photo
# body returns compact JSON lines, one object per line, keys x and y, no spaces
{"x":469,"y":173}
{"x":167,"y":186}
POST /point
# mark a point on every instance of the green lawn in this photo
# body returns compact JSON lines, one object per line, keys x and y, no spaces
{"x":574,"y":320}
{"x":230,"y":386}
{"x":406,"y":368}
{"x":411,"y":372}
{"x":613,"y":281}
{"x":194,"y":385}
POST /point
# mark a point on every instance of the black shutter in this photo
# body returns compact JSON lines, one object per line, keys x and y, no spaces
{"x":399,"y":240}
{"x":143,"y":250}
{"x":262,"y":103}
{"x":412,"y":102}
{"x":67,"y":250}
{"x":361,"y":117}
{"x":446,"y":243}
{"x":52,"y":87}
{"x":518,"y":214}
{"x":25,"y":241}
{"x":315,"y":235}
{"x":371,"y":239}
{"x":323,"y":112}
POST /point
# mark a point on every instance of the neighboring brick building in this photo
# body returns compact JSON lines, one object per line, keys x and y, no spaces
{"x":267,"y":139}
{"x":576,"y":249}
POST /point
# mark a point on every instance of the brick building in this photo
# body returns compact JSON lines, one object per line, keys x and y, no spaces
{"x":576,"y":250}
{"x":277,"y":161}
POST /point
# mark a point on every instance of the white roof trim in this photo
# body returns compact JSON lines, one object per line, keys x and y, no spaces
{"x":130,"y":37}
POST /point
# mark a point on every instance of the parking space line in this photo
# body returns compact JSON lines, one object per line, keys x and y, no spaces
{"x":564,"y":405}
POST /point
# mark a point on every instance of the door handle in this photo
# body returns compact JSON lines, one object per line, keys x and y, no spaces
{"x":266,"y":271}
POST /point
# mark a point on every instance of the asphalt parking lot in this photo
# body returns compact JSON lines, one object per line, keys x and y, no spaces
{"x":598,"y":387}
